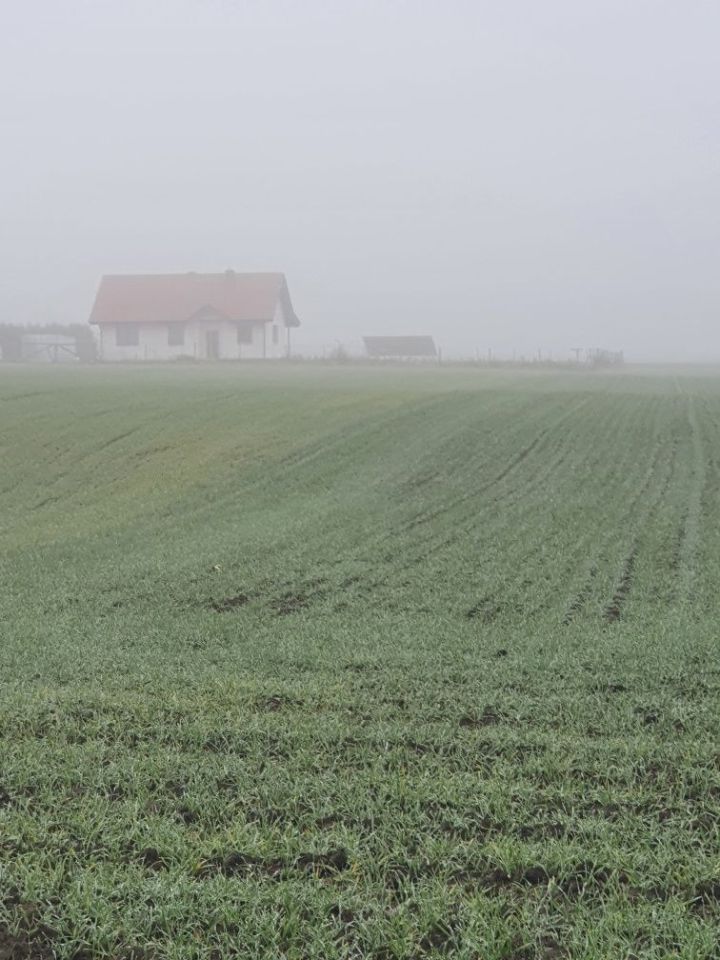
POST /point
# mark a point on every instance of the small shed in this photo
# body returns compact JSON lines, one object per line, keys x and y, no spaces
{"x":401,"y":348}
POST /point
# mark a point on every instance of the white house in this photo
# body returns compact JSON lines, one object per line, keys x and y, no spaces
{"x":208,"y":316}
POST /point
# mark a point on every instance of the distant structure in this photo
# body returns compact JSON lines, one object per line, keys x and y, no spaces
{"x":48,"y":348}
{"x":400,"y":348}
{"x":605,"y":358}
{"x":203,"y":316}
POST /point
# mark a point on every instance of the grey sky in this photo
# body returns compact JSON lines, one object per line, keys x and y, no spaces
{"x":512,"y":174}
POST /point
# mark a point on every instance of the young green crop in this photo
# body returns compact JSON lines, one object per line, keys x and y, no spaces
{"x":395,"y":663}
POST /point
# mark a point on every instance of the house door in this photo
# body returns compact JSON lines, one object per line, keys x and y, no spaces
{"x":212,"y":345}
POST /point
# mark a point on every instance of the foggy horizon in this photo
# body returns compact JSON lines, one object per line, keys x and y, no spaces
{"x":499,"y":176}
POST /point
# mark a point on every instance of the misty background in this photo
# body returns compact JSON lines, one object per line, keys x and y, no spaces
{"x":510,"y":174}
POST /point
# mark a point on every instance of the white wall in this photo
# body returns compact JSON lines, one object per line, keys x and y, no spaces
{"x":283,"y":345}
{"x":153,"y":341}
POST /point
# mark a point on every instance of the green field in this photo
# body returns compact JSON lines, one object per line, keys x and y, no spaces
{"x":317,"y":662}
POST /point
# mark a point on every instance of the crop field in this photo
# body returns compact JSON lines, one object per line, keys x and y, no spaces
{"x":333,"y":662}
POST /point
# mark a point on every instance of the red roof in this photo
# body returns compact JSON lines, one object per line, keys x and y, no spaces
{"x":177,"y":297}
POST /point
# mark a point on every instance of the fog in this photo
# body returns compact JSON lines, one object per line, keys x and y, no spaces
{"x":512,"y":175}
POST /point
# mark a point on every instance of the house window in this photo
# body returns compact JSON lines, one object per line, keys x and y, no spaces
{"x":276,"y":334}
{"x":244,"y":333}
{"x":127,"y":335}
{"x":176,"y":335}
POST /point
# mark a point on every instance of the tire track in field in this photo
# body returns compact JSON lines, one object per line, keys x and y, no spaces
{"x":477,"y":491}
{"x":410,"y":546}
{"x":592,"y":581}
{"x":544,"y":564}
{"x":463,"y":519}
{"x":708,"y":547}
{"x":532,"y":492}
{"x":406,"y":534}
{"x":550,"y":541}
{"x":578,"y":604}
{"x":646,"y":519}
{"x":467,"y":519}
{"x":614,"y":609}
{"x":540,"y":561}
{"x":640,"y":506}
{"x":689,"y":530}
{"x":560,"y":547}
{"x":624,"y":582}
{"x":678,"y":528}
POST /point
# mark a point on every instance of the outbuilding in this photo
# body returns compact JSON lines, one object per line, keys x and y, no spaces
{"x":204,"y":316}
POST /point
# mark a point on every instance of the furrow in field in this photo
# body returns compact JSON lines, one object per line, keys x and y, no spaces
{"x":519,"y":551}
{"x":699,"y":543}
{"x":477,"y":489}
{"x":667,"y":544}
{"x":460,"y":455}
{"x":609,"y":507}
{"x":514,"y":545}
{"x":637,"y":500}
{"x":614,"y":609}
{"x":689,"y":532}
{"x":639,"y":565}
{"x":471,"y":519}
